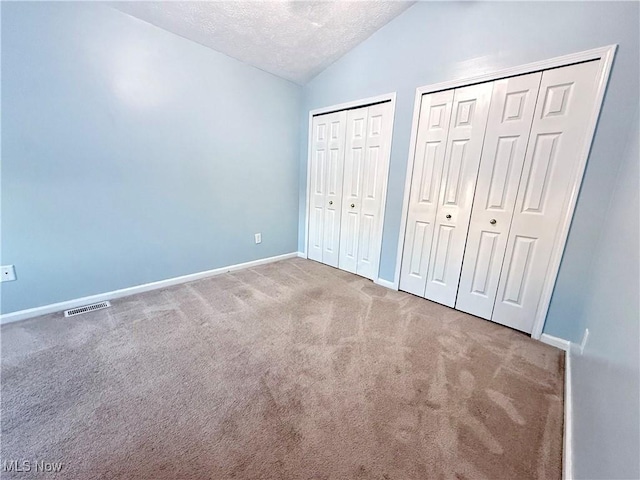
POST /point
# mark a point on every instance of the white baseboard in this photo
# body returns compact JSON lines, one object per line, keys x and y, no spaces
{"x":560,"y":343}
{"x":567,"y":444}
{"x":567,"y":450}
{"x":302,"y":255}
{"x":100,"y":297}
{"x":385,"y":283}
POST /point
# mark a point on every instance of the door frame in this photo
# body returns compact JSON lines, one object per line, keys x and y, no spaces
{"x":605,"y":56}
{"x":365,"y":102}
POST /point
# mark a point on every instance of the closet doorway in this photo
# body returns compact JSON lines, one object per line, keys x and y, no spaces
{"x":347,"y":175}
{"x":494,"y":171}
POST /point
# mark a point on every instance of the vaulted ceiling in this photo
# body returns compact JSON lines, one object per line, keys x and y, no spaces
{"x":295,"y":40}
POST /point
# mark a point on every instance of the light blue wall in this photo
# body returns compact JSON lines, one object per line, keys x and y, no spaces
{"x":131,"y":155}
{"x":606,"y":407}
{"x":434,"y":42}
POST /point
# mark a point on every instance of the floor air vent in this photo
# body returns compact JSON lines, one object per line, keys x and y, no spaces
{"x":86,"y":308}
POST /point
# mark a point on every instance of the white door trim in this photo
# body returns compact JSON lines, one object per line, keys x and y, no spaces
{"x":387,"y":97}
{"x":605,"y":57}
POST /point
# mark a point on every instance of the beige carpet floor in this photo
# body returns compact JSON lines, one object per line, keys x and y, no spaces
{"x":292,"y":370}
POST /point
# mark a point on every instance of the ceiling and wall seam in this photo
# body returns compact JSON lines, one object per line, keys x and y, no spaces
{"x":292,"y":40}
{"x":206,"y":46}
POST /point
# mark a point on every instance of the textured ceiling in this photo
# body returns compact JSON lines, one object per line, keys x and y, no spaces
{"x":295,"y":40}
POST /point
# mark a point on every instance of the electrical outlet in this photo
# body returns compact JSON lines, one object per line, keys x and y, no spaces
{"x":8,"y":273}
{"x":258,"y":238}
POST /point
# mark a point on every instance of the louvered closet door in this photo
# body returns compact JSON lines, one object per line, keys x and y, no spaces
{"x":327,"y":163}
{"x":563,"y":109}
{"x":462,"y":158}
{"x":368,"y":145}
{"x":433,"y":127}
{"x":510,"y":115}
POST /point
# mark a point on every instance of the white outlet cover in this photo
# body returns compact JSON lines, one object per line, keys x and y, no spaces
{"x":258,"y":238}
{"x":8,"y":273}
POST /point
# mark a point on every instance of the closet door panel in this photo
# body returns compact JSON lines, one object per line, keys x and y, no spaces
{"x":327,"y":159}
{"x":510,"y":115}
{"x":319,"y":146}
{"x":375,"y":170}
{"x":433,"y":128}
{"x":565,"y":102}
{"x":333,"y":188}
{"x":355,"y":152}
{"x":464,"y":146}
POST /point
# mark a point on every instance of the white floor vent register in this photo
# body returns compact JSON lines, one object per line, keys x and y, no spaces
{"x":86,"y":308}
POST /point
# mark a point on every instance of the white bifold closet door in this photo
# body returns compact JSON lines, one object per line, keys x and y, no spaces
{"x":558,"y":137}
{"x":327,"y":165}
{"x":505,"y":145}
{"x":368,"y":144}
{"x":440,"y":248}
{"x":502,"y":191}
{"x":435,"y":114}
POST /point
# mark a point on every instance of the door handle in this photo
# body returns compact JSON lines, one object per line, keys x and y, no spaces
{"x":353,"y":205}
{"x":448,"y":217}
{"x":330,"y":202}
{"x":493,"y":221}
